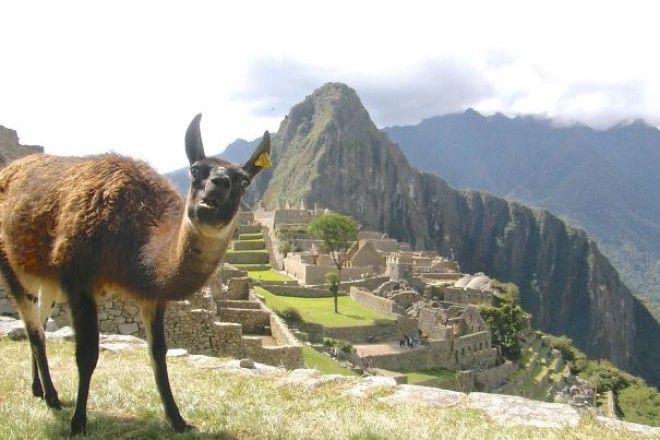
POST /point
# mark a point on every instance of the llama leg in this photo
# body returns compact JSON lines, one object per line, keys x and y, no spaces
{"x":45,"y":307}
{"x":154,"y":322}
{"x":85,"y":324}
{"x":26,"y":304}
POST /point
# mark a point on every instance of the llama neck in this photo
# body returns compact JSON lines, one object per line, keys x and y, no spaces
{"x":188,"y":259}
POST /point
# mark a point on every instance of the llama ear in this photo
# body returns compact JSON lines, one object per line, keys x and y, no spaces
{"x":260,"y":159}
{"x":194,"y":145}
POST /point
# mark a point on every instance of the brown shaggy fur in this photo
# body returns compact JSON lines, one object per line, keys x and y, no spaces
{"x":72,"y":229}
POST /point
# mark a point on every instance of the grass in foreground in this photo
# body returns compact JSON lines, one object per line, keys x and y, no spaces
{"x":321,"y":310}
{"x":268,"y":275}
{"x":124,"y":404}
{"x":325,"y":364}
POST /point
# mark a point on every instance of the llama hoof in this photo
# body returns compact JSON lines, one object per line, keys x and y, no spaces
{"x":78,"y":426}
{"x":183,"y":427}
{"x":37,"y":391}
{"x":54,"y":403}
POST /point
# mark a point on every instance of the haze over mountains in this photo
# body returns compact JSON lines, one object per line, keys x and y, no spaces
{"x":607,"y":181}
{"x":328,"y":151}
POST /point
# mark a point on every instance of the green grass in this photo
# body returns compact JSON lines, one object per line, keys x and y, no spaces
{"x":325,"y":364}
{"x":268,"y":275}
{"x":254,"y":236}
{"x":248,"y":251}
{"x":439,"y":374}
{"x":124,"y":404}
{"x":321,"y":310}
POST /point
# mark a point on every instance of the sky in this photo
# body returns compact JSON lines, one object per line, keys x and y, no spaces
{"x":127,"y":76}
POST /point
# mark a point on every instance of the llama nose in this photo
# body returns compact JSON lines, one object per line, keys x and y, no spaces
{"x":221,"y":181}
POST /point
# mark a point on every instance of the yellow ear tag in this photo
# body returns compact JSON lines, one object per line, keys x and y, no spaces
{"x":263,"y":161}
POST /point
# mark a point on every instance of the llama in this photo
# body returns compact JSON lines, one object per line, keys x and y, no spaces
{"x":74,"y":228}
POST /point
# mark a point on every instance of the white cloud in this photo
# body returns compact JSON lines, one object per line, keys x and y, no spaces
{"x":82,"y":77}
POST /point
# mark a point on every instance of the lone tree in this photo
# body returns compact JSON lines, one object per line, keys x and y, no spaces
{"x":332,"y":280}
{"x":338,"y":233}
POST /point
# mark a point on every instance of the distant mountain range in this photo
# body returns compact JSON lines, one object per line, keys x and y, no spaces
{"x":328,"y":151}
{"x":607,"y":182}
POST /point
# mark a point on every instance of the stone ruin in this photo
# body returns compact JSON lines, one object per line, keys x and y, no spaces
{"x":219,"y":320}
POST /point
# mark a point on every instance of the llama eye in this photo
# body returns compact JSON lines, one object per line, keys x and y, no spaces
{"x":245,"y":183}
{"x":195,"y":172}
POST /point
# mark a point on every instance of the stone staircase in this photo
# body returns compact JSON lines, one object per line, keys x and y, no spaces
{"x":264,"y":336}
{"x":248,"y":249}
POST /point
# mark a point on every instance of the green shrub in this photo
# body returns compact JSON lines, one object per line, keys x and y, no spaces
{"x":290,"y":315}
{"x":329,"y":342}
{"x":345,"y":346}
{"x":640,"y":404}
{"x":506,"y":319}
{"x":284,"y":247}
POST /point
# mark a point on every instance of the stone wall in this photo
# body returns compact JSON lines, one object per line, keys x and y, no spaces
{"x":489,"y":379}
{"x":6,"y":305}
{"x":300,"y":291}
{"x":291,"y":217}
{"x":254,"y":322}
{"x":474,"y":351}
{"x":314,"y":274}
{"x":386,"y":331}
{"x":370,"y":283}
{"x":467,"y":296}
{"x":372,"y":302}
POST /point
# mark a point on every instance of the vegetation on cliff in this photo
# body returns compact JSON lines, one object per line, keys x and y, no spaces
{"x":506,"y":319}
{"x":636,"y":401}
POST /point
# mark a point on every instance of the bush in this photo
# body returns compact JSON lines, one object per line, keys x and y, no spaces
{"x":565,"y":345}
{"x":607,"y":377}
{"x":505,"y":319}
{"x":284,"y":247}
{"x":640,"y":404}
{"x":290,"y":315}
{"x":329,"y":342}
{"x":342,"y":345}
{"x":345,"y":346}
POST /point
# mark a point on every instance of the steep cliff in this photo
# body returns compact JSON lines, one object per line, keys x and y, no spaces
{"x":328,"y":151}
{"x":540,"y":162}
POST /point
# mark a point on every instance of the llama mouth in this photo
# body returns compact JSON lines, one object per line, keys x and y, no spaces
{"x":209,"y":203}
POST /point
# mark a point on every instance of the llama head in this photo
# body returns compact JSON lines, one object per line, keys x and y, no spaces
{"x":216,"y":185}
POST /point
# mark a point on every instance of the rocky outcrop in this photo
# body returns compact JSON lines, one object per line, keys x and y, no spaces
{"x":11,"y":149}
{"x":328,"y":151}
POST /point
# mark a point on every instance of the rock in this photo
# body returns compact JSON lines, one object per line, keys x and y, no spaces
{"x":6,"y":307}
{"x":627,"y":426}
{"x":128,"y":339}
{"x":246,"y":363}
{"x":370,"y":384}
{"x":65,"y":333}
{"x":17,"y":333}
{"x":128,"y":329}
{"x":514,"y":410}
{"x":300,"y":375}
{"x":177,"y":352}
{"x":117,"y":347}
{"x":324,"y":379}
{"x":9,"y":324}
{"x":51,"y":325}
{"x":416,"y":394}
